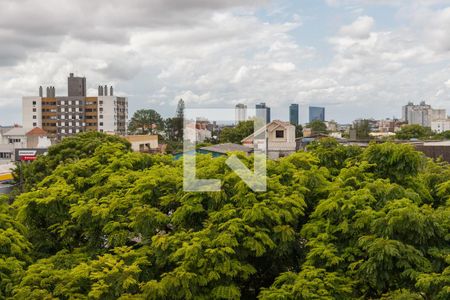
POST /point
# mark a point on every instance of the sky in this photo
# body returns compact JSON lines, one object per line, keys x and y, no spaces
{"x":358,"y":59}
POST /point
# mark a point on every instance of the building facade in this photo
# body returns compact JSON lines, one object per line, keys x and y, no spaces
{"x":263,"y":112}
{"x":316,"y":114}
{"x":280,"y":139}
{"x":440,"y":126}
{"x":240,"y":113}
{"x":422,"y":114}
{"x":62,"y":116}
{"x":293,"y":114}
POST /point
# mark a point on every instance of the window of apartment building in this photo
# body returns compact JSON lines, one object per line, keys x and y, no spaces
{"x":34,"y":124}
{"x":34,"y":102}
{"x":34,"y":109}
{"x":101,"y":116}
{"x":101,"y":109}
{"x":101,"y":123}
{"x":34,"y":117}
{"x":101,"y":102}
{"x":13,"y":141}
{"x":279,"y":134}
{"x":101,"y":130}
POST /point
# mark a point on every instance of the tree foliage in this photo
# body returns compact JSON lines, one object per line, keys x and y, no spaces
{"x":335,"y":223}
{"x":146,"y":121}
{"x":238,"y":133}
{"x":317,"y":127}
{"x":414,"y":131}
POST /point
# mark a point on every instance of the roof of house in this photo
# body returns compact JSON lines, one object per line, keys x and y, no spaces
{"x":141,"y":138}
{"x":16,"y":131}
{"x":228,"y":147}
{"x":37,"y":131}
{"x":260,"y":130}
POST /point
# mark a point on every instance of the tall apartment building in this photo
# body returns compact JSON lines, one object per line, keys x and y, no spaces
{"x":263,"y":112}
{"x":293,"y":114}
{"x":62,"y":116}
{"x":422,"y":114}
{"x":240,"y":113}
{"x":316,"y":113}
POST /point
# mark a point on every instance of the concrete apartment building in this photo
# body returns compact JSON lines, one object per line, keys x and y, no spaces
{"x":422,"y":114}
{"x":263,"y":112}
{"x":62,"y":116}
{"x":240,"y":113}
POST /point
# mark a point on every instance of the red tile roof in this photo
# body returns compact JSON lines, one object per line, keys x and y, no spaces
{"x":37,"y":131}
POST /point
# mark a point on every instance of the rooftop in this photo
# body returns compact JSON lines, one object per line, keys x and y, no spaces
{"x":228,"y":147}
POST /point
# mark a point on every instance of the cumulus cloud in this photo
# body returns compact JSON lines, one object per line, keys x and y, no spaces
{"x":221,"y":52}
{"x":359,"y":29}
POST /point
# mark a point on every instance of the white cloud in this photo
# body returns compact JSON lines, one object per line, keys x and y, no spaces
{"x":359,"y":29}
{"x":283,"y":66}
{"x":218,"y":53}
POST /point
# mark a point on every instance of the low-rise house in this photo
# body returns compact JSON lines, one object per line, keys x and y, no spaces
{"x":23,"y":138}
{"x":280,"y":139}
{"x":145,"y":143}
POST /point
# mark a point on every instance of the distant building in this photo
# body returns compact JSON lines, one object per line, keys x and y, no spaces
{"x":440,"y":126}
{"x":293,"y":114}
{"x":332,"y":126}
{"x":240,"y":113}
{"x":422,"y":114}
{"x":280,"y":139}
{"x":316,"y":114}
{"x":263,"y":112}
{"x":62,"y":116}
{"x":389,"y":125}
{"x":20,"y":137}
{"x":197,"y":131}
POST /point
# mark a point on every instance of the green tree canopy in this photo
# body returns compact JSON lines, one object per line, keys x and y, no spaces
{"x":335,"y":222}
{"x":317,"y":126}
{"x":238,"y":133}
{"x":146,"y":121}
{"x":408,"y":132}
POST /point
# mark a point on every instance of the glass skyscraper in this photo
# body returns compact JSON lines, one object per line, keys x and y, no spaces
{"x":293,"y":114}
{"x":316,"y":113}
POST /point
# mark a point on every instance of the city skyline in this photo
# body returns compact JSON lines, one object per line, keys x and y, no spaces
{"x":220,"y":53}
